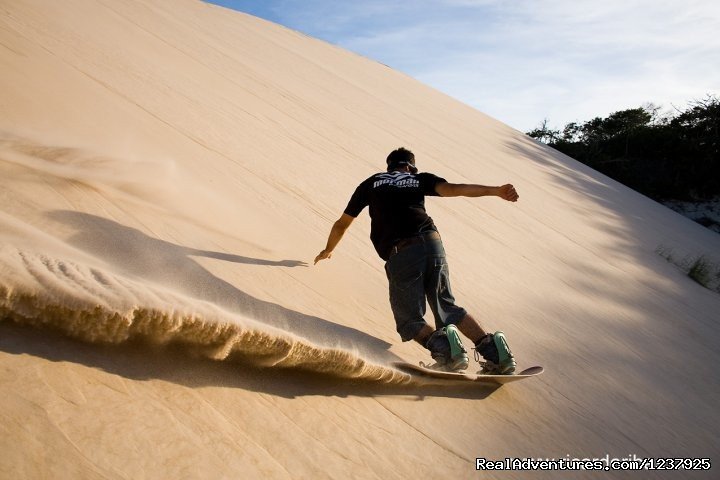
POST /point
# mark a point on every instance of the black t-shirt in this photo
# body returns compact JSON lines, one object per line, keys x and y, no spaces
{"x":397,"y":206}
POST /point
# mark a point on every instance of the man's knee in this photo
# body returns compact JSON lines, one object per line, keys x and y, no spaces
{"x":453,"y":315}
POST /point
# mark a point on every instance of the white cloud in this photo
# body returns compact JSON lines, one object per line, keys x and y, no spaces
{"x":524,"y":60}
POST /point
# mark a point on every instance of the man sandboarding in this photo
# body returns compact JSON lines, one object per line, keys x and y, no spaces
{"x":406,"y":238}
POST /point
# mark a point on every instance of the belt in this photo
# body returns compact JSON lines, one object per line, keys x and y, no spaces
{"x":422,"y":238}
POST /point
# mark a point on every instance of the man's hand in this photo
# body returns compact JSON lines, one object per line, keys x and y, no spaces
{"x":336,"y":233}
{"x":508,"y":192}
{"x":322,"y":256}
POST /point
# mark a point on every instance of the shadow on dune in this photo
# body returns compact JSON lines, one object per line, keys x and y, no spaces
{"x":134,"y":253}
{"x":647,"y":324}
{"x":140,"y":361}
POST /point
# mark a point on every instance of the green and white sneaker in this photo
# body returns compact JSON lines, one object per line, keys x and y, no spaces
{"x":458,"y":354}
{"x":447,"y":350}
{"x":498,"y":358}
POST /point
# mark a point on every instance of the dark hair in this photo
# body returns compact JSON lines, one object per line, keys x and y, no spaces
{"x":399,"y":157}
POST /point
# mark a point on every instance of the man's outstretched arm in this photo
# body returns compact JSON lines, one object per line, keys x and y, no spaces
{"x":336,"y":233}
{"x":506,"y":192}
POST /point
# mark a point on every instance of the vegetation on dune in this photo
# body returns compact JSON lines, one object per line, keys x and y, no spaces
{"x":671,"y":156}
{"x":702,"y":269}
{"x":666,"y":156}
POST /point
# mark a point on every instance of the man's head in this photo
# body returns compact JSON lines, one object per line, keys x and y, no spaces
{"x":400,"y":158}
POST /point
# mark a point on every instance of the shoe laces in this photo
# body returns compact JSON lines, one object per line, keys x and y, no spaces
{"x":440,"y":367}
{"x":479,"y":359}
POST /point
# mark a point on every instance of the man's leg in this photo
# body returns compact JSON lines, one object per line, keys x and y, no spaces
{"x":445,"y":347}
{"x":424,"y":334}
{"x":492,"y":347}
{"x":438,"y":343}
{"x":446,"y":313}
{"x":406,"y":272}
{"x":471,"y":328}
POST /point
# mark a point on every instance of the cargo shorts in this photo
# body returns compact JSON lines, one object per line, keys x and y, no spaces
{"x":418,"y":276}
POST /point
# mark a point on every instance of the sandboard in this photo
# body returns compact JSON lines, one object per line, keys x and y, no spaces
{"x":414,"y":369}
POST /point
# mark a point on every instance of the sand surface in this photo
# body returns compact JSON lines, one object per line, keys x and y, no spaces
{"x":168,"y":171}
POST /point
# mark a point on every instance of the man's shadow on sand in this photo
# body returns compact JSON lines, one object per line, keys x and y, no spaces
{"x":135,"y":253}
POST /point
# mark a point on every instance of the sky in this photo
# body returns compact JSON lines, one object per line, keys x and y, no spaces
{"x":524,"y":61}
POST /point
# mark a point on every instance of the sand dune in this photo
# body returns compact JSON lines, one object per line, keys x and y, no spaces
{"x":168,"y":171}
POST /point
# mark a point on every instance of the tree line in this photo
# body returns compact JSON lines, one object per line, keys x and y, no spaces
{"x":671,"y":156}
